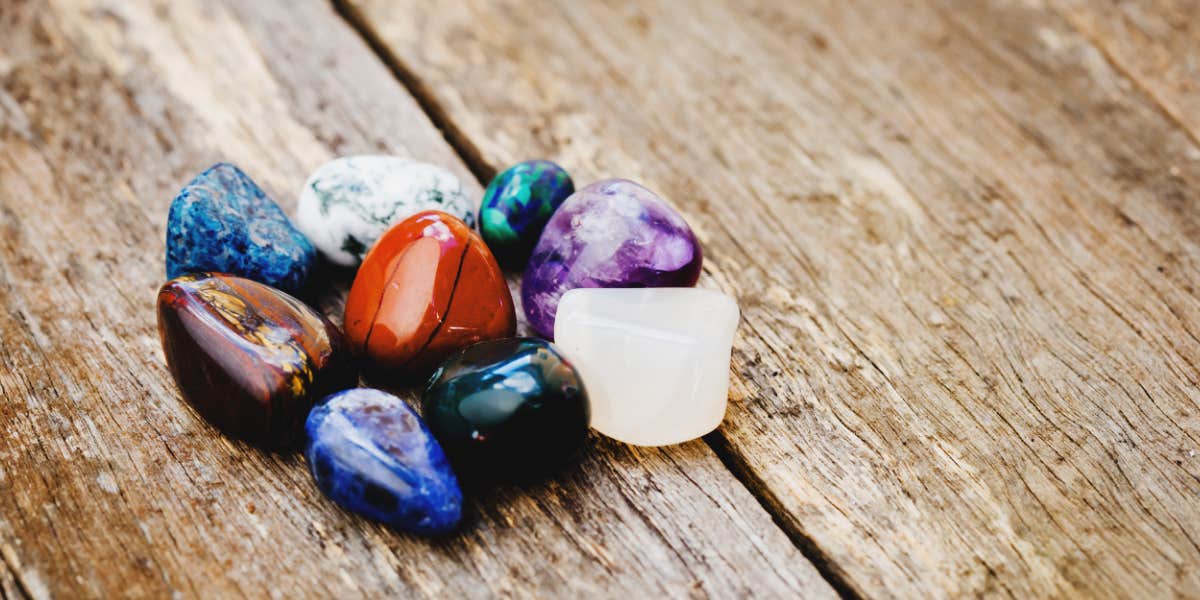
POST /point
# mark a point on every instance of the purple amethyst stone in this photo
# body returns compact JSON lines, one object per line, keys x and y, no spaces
{"x":615,"y":234}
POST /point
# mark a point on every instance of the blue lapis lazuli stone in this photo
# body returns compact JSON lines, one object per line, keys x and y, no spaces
{"x":371,"y":453}
{"x":222,"y":221}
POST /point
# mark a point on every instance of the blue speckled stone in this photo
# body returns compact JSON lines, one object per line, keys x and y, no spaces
{"x":222,"y":221}
{"x":372,"y":454}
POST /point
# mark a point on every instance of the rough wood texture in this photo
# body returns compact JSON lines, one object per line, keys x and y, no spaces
{"x":965,"y":247}
{"x":110,"y":486}
{"x":1155,"y":44}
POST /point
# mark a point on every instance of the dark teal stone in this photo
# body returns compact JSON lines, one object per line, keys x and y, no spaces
{"x":516,"y":207}
{"x":371,"y":453}
{"x":508,"y":410}
{"x":223,"y":222}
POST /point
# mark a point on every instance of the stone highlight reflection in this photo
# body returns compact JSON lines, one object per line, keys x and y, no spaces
{"x":370,"y":453}
{"x":428,"y":288}
{"x":610,"y":234}
{"x":251,"y":359}
{"x":509,"y":410}
{"x":516,"y":206}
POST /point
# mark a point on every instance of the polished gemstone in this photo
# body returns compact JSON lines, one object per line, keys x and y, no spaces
{"x":510,"y":409}
{"x":349,"y":202}
{"x":517,"y":205}
{"x":371,"y":453}
{"x":656,"y":360}
{"x":251,"y":359}
{"x":428,"y":288}
{"x":610,"y":234}
{"x":223,"y":222}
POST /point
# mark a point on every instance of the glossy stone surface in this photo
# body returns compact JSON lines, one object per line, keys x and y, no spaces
{"x":369,"y":452}
{"x":223,"y":222}
{"x":428,"y":288}
{"x":347,"y":203}
{"x":656,"y":360}
{"x":610,"y":234}
{"x":510,"y":409}
{"x":517,"y":205}
{"x":251,"y":359}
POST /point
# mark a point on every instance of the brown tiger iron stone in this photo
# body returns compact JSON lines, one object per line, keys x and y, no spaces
{"x":251,"y":359}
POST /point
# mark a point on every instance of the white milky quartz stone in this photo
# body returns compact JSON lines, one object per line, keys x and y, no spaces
{"x":655,"y":361}
{"x":349,"y":202}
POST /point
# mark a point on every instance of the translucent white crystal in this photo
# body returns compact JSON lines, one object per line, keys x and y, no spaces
{"x":655,"y":361}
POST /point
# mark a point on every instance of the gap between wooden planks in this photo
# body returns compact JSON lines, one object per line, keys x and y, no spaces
{"x":110,"y":486}
{"x":964,"y":236}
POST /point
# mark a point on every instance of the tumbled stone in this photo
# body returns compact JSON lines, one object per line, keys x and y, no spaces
{"x":347,"y":203}
{"x":510,"y":409}
{"x":610,"y":234}
{"x":250,"y":359}
{"x":428,"y":288}
{"x":656,"y":360}
{"x":517,"y":205}
{"x":223,"y":222}
{"x":370,"y":453}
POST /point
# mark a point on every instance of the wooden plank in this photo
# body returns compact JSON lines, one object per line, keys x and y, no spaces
{"x":1154,"y":43}
{"x":110,"y":486}
{"x":965,"y":249}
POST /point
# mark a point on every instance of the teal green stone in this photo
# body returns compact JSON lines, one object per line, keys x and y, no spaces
{"x":508,"y":410}
{"x":517,"y":205}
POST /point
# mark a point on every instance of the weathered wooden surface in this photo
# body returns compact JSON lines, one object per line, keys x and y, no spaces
{"x":1155,"y":44}
{"x":964,"y":242}
{"x":110,"y":486}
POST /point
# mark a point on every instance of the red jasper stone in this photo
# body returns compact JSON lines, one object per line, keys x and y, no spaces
{"x":428,"y":287}
{"x":251,"y":359}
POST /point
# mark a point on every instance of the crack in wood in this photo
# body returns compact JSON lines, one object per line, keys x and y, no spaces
{"x":12,"y":566}
{"x":198,"y":514}
{"x":826,"y":565}
{"x":984,"y":437}
{"x":458,"y":140}
{"x":484,"y":172}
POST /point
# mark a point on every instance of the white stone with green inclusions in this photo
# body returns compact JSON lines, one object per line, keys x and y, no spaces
{"x":349,"y":202}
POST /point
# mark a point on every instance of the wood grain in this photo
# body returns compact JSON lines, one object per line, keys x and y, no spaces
{"x":1155,"y":44}
{"x":964,"y":243}
{"x":110,"y":486}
